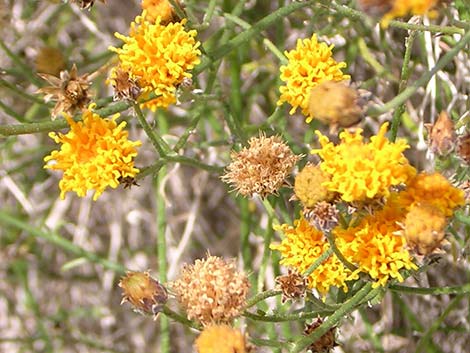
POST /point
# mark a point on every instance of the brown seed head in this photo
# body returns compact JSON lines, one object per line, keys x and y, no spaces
{"x":336,"y":104}
{"x":146,"y":294}
{"x":425,"y":228}
{"x":211,"y":290}
{"x":70,"y":91}
{"x":125,"y":87}
{"x":261,"y":168}
{"x":325,"y":343}
{"x":442,"y":136}
{"x":292,"y":285}
{"x":323,"y":216}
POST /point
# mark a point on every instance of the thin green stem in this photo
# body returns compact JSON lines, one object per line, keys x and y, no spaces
{"x":318,"y":262}
{"x":463,"y":289}
{"x":157,"y":141}
{"x":179,"y":318}
{"x":339,"y":255}
{"x":60,"y":242}
{"x":286,"y":317}
{"x":261,"y":296}
{"x":405,"y":74}
{"x":194,"y":163}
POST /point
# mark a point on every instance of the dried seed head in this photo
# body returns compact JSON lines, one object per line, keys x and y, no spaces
{"x":325,"y":343}
{"x":424,"y":228}
{"x":211,"y":290}
{"x":292,"y":285}
{"x":323,"y":216}
{"x":128,"y":182}
{"x":221,"y":339}
{"x":50,"y":61}
{"x":336,"y":104}
{"x":125,"y":87}
{"x":308,"y":186}
{"x":463,"y":148}
{"x":146,"y":294}
{"x":261,"y":168}
{"x":70,"y":91}
{"x":442,"y":136}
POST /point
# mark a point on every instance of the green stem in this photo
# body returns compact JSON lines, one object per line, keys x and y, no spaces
{"x":287,"y":317}
{"x":157,"y":141}
{"x":338,"y":253}
{"x":261,"y":296}
{"x":194,"y":163}
{"x":405,"y":74}
{"x":179,"y":318}
{"x":60,"y":241}
{"x":424,"y":79}
{"x":348,"y":307}
{"x":463,"y":289}
{"x":318,"y":262}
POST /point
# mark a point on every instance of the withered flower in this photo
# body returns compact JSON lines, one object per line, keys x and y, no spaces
{"x":336,"y":104}
{"x":211,"y":290}
{"x":325,"y":343}
{"x":308,"y":187}
{"x":49,"y":60}
{"x":292,"y":285}
{"x":146,"y":294}
{"x":70,"y":91}
{"x":261,"y":168}
{"x":323,"y":216}
{"x":442,"y":137}
{"x":125,"y":87}
{"x":128,"y":182}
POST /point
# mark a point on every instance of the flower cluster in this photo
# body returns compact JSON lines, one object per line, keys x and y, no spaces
{"x":94,"y":154}
{"x":159,"y":57}
{"x":310,"y":64}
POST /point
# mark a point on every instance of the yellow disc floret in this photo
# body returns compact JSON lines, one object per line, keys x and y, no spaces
{"x":310,"y":63}
{"x":158,"y":57}
{"x":221,"y":339}
{"x":95,"y":154}
{"x":360,"y":170}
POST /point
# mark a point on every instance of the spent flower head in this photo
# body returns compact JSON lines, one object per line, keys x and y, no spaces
{"x":308,"y":186}
{"x":360,"y":170}
{"x":261,"y":168}
{"x":310,"y":64}
{"x":211,"y":290}
{"x":94,"y":154}
{"x":159,"y":57}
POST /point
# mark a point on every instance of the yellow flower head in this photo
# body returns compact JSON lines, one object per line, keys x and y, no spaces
{"x":310,"y":63}
{"x":433,"y":189}
{"x":302,"y":245}
{"x":403,"y":7}
{"x":308,"y":186}
{"x":95,"y":154}
{"x":158,"y":57}
{"x":361,"y":171}
{"x":374,"y":247}
{"x":221,"y":339}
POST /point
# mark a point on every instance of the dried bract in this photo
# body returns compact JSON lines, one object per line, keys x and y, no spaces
{"x":125,"y":87}
{"x":292,"y":285}
{"x":442,"y":136}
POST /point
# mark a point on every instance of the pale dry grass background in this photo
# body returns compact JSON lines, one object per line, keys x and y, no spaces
{"x":79,"y":306}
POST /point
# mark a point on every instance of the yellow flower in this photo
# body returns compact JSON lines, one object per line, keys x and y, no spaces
{"x":308,"y":186}
{"x":158,"y":57}
{"x":310,"y":63}
{"x":374,"y":247}
{"x":433,"y":189}
{"x":302,"y":245}
{"x":221,"y":339}
{"x":403,"y":7}
{"x":361,"y":171}
{"x":95,"y":154}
